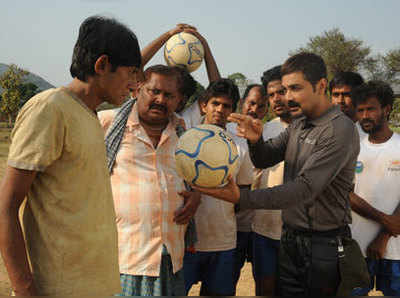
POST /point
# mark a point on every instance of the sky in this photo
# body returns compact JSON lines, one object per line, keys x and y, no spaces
{"x":244,"y":36}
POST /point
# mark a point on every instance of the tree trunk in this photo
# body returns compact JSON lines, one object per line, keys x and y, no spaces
{"x":9,"y":120}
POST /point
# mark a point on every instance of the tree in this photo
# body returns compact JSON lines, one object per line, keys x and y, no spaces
{"x":27,"y":91}
{"x":395,"y":115}
{"x":199,"y":91}
{"x":339,"y":52}
{"x":239,"y":79}
{"x":11,"y":81}
{"x":383,"y":67}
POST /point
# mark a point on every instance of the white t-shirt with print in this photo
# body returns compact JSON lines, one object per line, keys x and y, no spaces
{"x":215,"y":219}
{"x":378,"y":183}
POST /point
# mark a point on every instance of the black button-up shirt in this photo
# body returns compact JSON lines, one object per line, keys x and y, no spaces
{"x":320,"y":157}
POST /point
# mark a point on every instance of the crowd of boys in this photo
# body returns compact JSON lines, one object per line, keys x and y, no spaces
{"x":107,"y":214}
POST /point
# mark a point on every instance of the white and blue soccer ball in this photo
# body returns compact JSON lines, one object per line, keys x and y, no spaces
{"x":206,"y":155}
{"x":184,"y":50}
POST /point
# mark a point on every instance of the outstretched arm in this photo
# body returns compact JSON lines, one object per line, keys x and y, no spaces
{"x":211,"y":65}
{"x":152,"y":48}
{"x":14,"y":187}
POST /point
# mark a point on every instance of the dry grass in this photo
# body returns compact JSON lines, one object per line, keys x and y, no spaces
{"x":245,"y":285}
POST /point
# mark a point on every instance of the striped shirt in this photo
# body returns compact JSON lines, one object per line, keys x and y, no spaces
{"x":145,"y":188}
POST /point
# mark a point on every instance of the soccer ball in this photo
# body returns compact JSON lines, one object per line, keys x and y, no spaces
{"x":205,"y":155}
{"x":184,"y":50}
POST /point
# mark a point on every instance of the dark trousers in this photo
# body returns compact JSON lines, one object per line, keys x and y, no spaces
{"x":308,"y":262}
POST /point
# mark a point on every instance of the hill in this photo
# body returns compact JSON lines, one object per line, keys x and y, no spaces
{"x":30,"y":78}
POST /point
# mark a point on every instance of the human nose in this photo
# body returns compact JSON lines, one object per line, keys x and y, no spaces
{"x":161,"y":98}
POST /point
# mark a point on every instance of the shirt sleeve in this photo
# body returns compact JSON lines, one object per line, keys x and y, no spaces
{"x":106,"y":118}
{"x":245,"y":174}
{"x":265,"y":154}
{"x":329,"y":157}
{"x":37,"y":137}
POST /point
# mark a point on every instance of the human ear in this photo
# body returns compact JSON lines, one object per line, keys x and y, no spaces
{"x":322,"y":85}
{"x":102,"y":64}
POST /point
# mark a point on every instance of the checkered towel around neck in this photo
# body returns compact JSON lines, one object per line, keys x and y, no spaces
{"x":116,"y":132}
{"x":113,"y":141}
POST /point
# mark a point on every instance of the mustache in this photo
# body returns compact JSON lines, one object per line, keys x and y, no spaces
{"x":158,"y":107}
{"x":252,"y":114}
{"x":363,"y":121}
{"x":293,"y":104}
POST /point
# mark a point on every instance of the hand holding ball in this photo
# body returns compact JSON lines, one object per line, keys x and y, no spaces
{"x":205,"y":155}
{"x":184,"y":50}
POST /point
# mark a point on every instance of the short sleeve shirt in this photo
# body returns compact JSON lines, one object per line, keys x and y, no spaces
{"x":69,"y":219}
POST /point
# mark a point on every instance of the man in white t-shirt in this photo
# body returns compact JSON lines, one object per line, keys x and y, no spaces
{"x":213,"y":260}
{"x":340,"y":88}
{"x":376,"y":198}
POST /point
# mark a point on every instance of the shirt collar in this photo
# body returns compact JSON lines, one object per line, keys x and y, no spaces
{"x":330,"y":114}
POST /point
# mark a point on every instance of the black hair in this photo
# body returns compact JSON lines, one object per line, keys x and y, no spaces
{"x":222,"y":88}
{"x":272,"y":74}
{"x":346,"y":78}
{"x":251,"y":86}
{"x":311,"y":65}
{"x":172,"y":71}
{"x":189,"y":83}
{"x":373,"y":89}
{"x":103,"y":36}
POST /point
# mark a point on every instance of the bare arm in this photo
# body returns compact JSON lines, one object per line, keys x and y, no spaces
{"x":391,"y":223}
{"x":14,"y":187}
{"x":152,"y":48}
{"x":211,"y":65}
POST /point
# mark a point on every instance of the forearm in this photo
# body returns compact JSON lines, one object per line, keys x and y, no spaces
{"x":211,"y":65}
{"x":360,"y":206}
{"x":12,"y":247}
{"x":277,"y":197}
{"x":264,"y":156}
{"x":152,"y":48}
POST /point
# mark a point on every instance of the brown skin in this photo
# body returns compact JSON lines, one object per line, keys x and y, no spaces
{"x":157,"y":100}
{"x":341,"y":96}
{"x":255,"y":104}
{"x":313,"y":102}
{"x":217,"y":110}
{"x":152,"y":48}
{"x":312,"y":99}
{"x":277,"y":101}
{"x":373,"y":120}
{"x":105,"y":85}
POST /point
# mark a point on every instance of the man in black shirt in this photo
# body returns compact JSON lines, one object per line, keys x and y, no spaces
{"x":320,"y":151}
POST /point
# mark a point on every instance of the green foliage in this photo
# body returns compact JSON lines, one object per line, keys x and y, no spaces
{"x":239,"y":79}
{"x":197,"y":94}
{"x":27,"y":91}
{"x":339,"y":52}
{"x":395,"y":115}
{"x":11,"y":82}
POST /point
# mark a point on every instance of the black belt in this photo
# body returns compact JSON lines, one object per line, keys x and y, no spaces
{"x":341,"y":231}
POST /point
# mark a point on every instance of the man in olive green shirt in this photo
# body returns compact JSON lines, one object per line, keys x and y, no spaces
{"x":57,"y":160}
